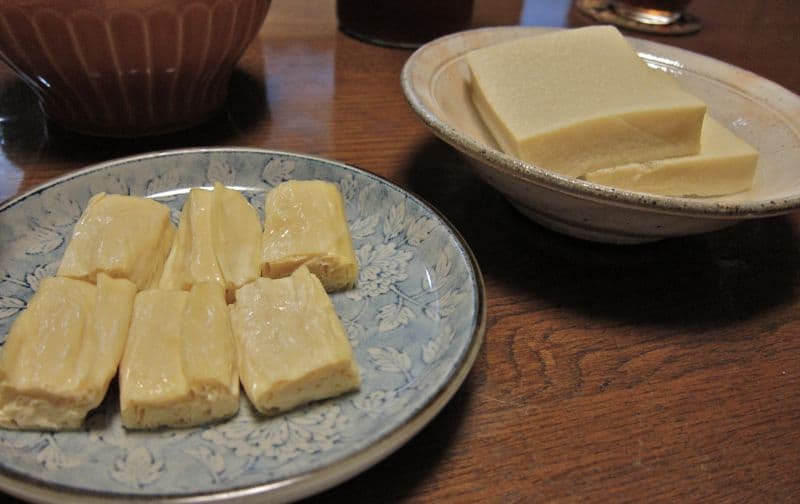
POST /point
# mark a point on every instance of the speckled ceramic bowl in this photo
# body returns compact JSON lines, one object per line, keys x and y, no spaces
{"x":128,"y":67}
{"x":436,"y":80}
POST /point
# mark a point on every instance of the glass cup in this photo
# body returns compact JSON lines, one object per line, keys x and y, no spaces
{"x":402,"y":23}
{"x":652,"y":12}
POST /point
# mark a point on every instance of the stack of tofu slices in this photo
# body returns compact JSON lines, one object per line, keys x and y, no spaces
{"x":581,"y":103}
{"x":182,"y":316}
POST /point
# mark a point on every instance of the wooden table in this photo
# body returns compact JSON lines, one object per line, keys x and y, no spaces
{"x":668,"y":371}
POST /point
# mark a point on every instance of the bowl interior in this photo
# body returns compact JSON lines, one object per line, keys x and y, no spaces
{"x":759,"y":111}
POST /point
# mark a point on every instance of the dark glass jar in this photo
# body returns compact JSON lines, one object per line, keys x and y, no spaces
{"x":402,"y":23}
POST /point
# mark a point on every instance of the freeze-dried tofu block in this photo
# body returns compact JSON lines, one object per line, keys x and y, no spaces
{"x":121,"y":236}
{"x":305,"y":224}
{"x":63,"y":351}
{"x":578,"y":100}
{"x":292,"y":346}
{"x":725,"y":165}
{"x":179,"y":367}
{"x":218,"y":240}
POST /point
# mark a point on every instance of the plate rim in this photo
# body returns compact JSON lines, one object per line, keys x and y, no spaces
{"x":310,"y":482}
{"x":529,"y":172}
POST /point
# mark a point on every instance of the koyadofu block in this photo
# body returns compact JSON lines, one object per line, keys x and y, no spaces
{"x":578,"y":100}
{"x":725,"y":165}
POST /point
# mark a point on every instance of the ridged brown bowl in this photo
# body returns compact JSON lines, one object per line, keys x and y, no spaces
{"x":128,"y":67}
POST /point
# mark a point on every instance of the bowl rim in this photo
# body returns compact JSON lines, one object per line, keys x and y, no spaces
{"x":582,"y":189}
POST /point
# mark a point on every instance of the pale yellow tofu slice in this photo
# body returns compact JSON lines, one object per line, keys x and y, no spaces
{"x":578,"y":100}
{"x":305,"y":224}
{"x":236,"y":236}
{"x":725,"y":165}
{"x":179,"y":366}
{"x":121,"y":236}
{"x":292,"y":346}
{"x":63,"y":351}
{"x":218,"y":240}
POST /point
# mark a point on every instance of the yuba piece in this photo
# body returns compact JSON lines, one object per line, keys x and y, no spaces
{"x":63,"y":351}
{"x":218,"y":240}
{"x":578,"y":100}
{"x":192,"y":258}
{"x":121,"y":236}
{"x":179,"y":366}
{"x":725,"y":165}
{"x":292,"y":346}
{"x":236,"y":236}
{"x":305,"y":224}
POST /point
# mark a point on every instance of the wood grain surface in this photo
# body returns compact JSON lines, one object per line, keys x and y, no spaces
{"x":663,"y":372}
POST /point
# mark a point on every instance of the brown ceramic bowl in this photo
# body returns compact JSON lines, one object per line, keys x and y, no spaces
{"x":128,"y":67}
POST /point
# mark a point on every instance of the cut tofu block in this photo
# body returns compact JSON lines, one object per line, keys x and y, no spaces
{"x":179,"y":368}
{"x":121,"y":236}
{"x":63,"y":351}
{"x":292,"y":345}
{"x":578,"y":100}
{"x":218,"y":240}
{"x":305,"y":224}
{"x":725,"y":165}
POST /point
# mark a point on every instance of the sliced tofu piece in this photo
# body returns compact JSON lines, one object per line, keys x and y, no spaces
{"x":578,"y":100}
{"x":292,"y":346}
{"x":179,"y":366}
{"x":121,"y":236}
{"x":725,"y":165}
{"x":218,"y":240}
{"x":63,"y":351}
{"x":305,"y":224}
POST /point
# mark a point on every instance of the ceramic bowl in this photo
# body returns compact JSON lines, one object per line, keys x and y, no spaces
{"x":436,"y":83}
{"x":128,"y":67}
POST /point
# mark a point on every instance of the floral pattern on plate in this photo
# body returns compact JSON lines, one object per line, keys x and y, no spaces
{"x":415,"y":321}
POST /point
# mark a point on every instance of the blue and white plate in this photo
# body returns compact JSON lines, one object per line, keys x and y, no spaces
{"x":415,"y":320}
